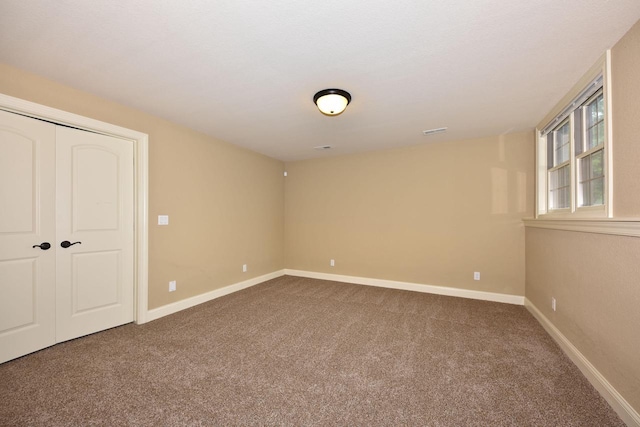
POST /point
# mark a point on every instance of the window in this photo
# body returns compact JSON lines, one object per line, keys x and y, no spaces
{"x":574,"y":178}
{"x":590,"y":155}
{"x":559,"y":167}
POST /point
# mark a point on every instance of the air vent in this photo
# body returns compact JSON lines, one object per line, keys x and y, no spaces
{"x":322,"y":147}
{"x":432,"y":131}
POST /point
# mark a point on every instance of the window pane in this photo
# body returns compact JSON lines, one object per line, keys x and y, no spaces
{"x":596,"y":166}
{"x":593,"y":113}
{"x":595,"y":122}
{"x":600,"y":101}
{"x":591,"y":179}
{"x":565,"y":202}
{"x":592,"y":137}
{"x":559,"y":188}
{"x":597,"y":192}
{"x":600,"y":136}
{"x":561,"y":144}
{"x":578,"y":144}
{"x":585,"y":169}
{"x":584,"y":198}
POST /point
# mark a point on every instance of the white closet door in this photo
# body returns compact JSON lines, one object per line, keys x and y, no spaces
{"x":27,"y":206}
{"x":59,"y":186}
{"x":94,"y":204}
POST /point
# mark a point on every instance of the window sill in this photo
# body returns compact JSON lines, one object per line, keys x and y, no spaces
{"x":616,"y":227}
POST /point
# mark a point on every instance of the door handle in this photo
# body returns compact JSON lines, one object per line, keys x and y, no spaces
{"x":44,"y":246}
{"x":67,"y":243}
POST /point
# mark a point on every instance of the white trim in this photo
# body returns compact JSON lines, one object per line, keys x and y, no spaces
{"x":407,"y":286}
{"x":142,"y":230}
{"x":624,"y":410}
{"x":542,"y":180}
{"x":608,"y":152}
{"x":141,"y":150}
{"x":616,"y":227}
{"x":177,"y":306}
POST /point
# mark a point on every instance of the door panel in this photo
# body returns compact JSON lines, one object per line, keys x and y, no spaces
{"x":17,"y":166}
{"x":27,"y":200}
{"x":18,"y":281}
{"x":92,"y":281}
{"x":94,"y":200}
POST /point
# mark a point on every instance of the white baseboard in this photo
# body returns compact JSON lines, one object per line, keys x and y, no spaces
{"x":175,"y":307}
{"x":625,"y":411}
{"x":416,"y":287}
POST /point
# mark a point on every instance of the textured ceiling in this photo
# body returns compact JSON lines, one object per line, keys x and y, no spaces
{"x":246,"y":71}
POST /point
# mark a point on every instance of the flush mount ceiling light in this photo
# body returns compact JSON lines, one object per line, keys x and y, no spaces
{"x":332,"y":101}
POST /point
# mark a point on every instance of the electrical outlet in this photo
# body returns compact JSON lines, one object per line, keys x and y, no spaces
{"x":172,"y":286}
{"x":163,"y":219}
{"x":332,"y":263}
{"x":244,"y":268}
{"x":476,"y":275}
{"x":553,"y":303}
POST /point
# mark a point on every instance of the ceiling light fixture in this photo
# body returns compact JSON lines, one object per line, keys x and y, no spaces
{"x":332,"y":102}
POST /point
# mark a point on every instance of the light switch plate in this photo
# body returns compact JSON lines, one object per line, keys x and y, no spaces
{"x":163,"y":219}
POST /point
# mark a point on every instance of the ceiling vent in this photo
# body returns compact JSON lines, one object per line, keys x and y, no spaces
{"x":322,"y":147}
{"x":432,"y":131}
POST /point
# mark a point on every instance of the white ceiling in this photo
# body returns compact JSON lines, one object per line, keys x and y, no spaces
{"x":246,"y":71}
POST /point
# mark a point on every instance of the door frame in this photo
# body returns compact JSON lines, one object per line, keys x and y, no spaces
{"x":141,"y":183}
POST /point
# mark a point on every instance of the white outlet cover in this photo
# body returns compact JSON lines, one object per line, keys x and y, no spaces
{"x":333,"y":263}
{"x":476,"y":275}
{"x":172,"y":286}
{"x":163,"y":219}
{"x":244,"y":268}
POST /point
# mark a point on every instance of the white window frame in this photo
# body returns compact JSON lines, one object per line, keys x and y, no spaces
{"x":563,"y":111}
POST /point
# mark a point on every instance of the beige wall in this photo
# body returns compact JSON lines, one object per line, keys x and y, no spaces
{"x":596,"y":282}
{"x":225,"y":203}
{"x":596,"y":278}
{"x":625,"y":64}
{"x":429,"y":214}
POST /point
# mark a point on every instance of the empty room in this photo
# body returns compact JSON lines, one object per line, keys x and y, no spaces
{"x":418,"y":213}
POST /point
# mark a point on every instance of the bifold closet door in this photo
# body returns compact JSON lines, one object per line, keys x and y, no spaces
{"x":27,"y":203}
{"x":66,"y":234}
{"x":94,"y":214}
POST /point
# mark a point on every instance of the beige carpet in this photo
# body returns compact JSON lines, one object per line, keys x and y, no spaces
{"x":296,"y":351}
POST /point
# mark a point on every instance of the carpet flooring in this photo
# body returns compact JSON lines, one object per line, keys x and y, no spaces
{"x":298,"y":352}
